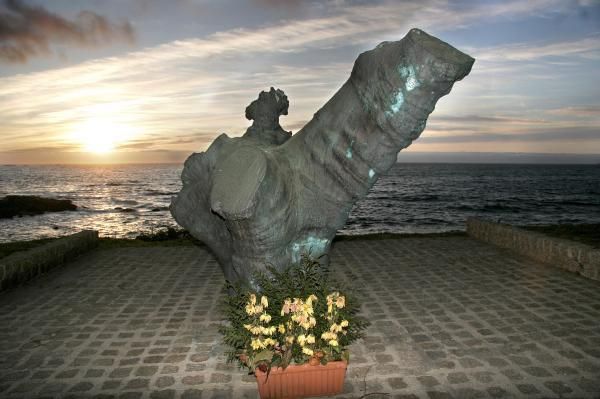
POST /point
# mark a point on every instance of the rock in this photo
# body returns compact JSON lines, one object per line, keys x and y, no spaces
{"x":268,"y":197}
{"x":22,"y":205}
{"x":124,"y":210}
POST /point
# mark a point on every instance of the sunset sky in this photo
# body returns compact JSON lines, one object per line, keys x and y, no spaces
{"x":93,"y":81}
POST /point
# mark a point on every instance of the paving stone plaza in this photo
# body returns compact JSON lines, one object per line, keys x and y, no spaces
{"x":451,"y":318}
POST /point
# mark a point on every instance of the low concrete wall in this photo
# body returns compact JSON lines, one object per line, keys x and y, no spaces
{"x":22,"y":266}
{"x":569,"y":255}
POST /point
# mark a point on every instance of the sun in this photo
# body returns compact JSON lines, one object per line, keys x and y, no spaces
{"x":101,"y":136}
{"x":99,"y":144}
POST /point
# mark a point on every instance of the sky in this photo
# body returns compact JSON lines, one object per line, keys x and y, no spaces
{"x":96,"y":81}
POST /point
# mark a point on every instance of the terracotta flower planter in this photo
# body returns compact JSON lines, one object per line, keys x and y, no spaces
{"x":302,"y":381}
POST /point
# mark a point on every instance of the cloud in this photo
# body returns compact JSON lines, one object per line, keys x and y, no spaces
{"x":278,"y":3}
{"x":487,"y":119}
{"x":588,"y":3}
{"x":569,"y":133}
{"x":153,"y":143}
{"x":52,"y":148}
{"x":204,"y":84}
{"x":27,"y":31}
{"x":591,"y":110}
{"x":588,"y":47}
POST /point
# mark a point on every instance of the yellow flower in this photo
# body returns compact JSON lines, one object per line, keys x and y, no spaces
{"x":310,"y":339}
{"x":258,"y":309}
{"x":253,"y":299}
{"x":307,"y":351}
{"x":301,"y":339}
{"x":257,"y":344}
{"x":344,"y":323}
{"x":310,"y":299}
{"x":330,"y":299}
{"x":289,"y":339}
{"x":340,"y":302}
{"x":265,"y":330}
{"x":333,"y":342}
{"x":265,"y":317}
{"x":281,"y":329}
{"x":248,"y":327}
{"x":250,"y":309}
{"x":264,"y":301}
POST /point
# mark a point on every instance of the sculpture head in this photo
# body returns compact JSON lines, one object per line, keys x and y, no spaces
{"x":265,"y":112}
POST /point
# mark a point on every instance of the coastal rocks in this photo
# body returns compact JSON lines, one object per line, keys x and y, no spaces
{"x":27,"y":205}
{"x":268,"y":197}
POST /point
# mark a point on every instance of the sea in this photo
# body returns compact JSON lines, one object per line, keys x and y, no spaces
{"x":123,"y":201}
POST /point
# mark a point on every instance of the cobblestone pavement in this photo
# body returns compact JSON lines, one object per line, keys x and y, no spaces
{"x":451,"y":318}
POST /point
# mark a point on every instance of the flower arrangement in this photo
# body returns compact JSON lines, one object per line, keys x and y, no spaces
{"x":298,"y":315}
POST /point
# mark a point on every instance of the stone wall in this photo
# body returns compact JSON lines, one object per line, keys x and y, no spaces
{"x":573,"y":256}
{"x":22,"y":266}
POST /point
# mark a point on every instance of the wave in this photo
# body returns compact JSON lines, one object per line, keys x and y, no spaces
{"x":488,"y":208}
{"x":124,"y":210}
{"x":392,"y":196}
{"x":577,"y":203}
{"x":159,"y":209}
{"x":152,"y":192}
{"x":122,"y":183}
{"x":420,"y":198}
{"x":119,"y":201}
{"x":500,"y":208}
